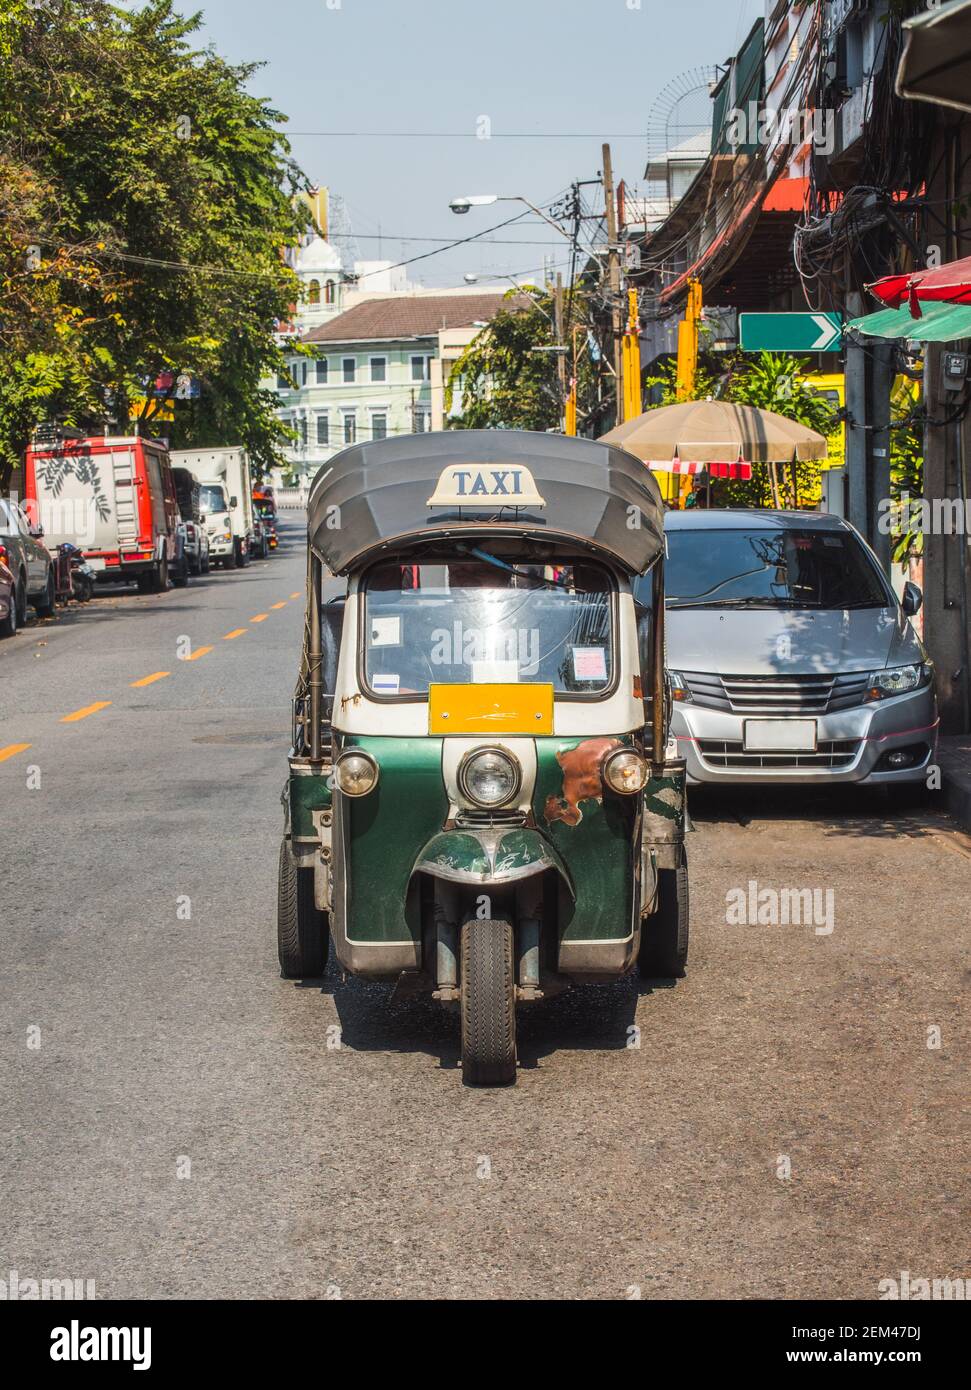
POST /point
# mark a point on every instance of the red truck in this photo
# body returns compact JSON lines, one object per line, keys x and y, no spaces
{"x":114,"y":497}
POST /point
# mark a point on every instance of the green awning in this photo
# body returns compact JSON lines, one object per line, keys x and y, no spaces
{"x":945,"y":323}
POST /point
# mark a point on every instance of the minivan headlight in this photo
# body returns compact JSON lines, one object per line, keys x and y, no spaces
{"x":897,"y":680}
{"x":356,"y":772}
{"x":489,"y":777}
{"x":679,"y":686}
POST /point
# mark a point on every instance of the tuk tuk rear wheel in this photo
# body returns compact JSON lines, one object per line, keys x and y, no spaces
{"x":488,"y":1004}
{"x":664,"y":935}
{"x":302,"y":930}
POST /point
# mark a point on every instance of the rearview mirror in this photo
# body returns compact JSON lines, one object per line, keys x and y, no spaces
{"x":912,"y":600}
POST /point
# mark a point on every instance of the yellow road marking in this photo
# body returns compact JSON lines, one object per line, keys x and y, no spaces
{"x":260,"y":618}
{"x":283,"y":604}
{"x":150,"y":680}
{"x":297,"y":595}
{"x":83,"y":713}
{"x":194,"y":656}
{"x":12,"y":749}
{"x":236,"y":632}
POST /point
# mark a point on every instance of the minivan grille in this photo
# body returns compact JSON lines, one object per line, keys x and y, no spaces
{"x":777,"y":694}
{"x":728,"y":753}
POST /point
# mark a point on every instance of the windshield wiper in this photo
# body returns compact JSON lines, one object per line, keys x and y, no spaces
{"x":750,"y":602}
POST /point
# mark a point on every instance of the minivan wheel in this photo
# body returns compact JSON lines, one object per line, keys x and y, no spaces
{"x":302,"y":930}
{"x":22,"y":602}
{"x":664,"y":935}
{"x":488,"y":1004}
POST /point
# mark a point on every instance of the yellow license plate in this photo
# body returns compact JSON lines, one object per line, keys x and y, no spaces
{"x":490,"y":709}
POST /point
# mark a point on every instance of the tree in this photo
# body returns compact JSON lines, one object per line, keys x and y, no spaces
{"x":156,"y":206}
{"x":506,"y":380}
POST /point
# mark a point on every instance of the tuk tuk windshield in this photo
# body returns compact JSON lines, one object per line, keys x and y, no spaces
{"x":475,"y":620}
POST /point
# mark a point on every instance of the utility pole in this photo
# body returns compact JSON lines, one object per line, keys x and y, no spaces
{"x":570,"y":412}
{"x":558,"y":332}
{"x":613,"y":268}
{"x":632,"y":360}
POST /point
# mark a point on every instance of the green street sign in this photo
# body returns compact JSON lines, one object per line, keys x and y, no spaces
{"x":789,"y":332}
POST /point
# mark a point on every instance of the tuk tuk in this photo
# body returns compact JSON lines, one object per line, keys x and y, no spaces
{"x":482,"y":799}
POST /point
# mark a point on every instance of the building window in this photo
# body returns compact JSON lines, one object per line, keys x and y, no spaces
{"x":419,"y":368}
{"x":281,"y":383}
{"x":321,"y":365}
{"x":303,"y":373}
{"x":379,"y":369}
{"x":350,"y":427}
{"x":314,"y":293}
{"x":302,"y":431}
{"x":323,"y":430}
{"x":379,"y":425}
{"x":329,"y":292}
{"x":350,"y":369}
{"x":423,"y":421}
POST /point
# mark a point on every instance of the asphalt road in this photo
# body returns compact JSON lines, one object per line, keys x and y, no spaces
{"x":180,"y":1122}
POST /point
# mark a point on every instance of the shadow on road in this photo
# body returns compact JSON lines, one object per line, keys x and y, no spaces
{"x":597,"y":1018}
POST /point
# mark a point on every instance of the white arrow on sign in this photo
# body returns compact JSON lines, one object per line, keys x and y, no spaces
{"x":827,"y":333}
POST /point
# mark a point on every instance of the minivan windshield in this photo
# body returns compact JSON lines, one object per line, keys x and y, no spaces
{"x":211,"y":499}
{"x":764,"y":567}
{"x":475,"y":621}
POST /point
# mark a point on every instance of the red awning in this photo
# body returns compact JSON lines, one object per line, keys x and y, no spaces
{"x":717,"y":470}
{"x":949,"y":284}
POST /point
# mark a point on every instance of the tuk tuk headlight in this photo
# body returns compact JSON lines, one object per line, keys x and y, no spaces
{"x":489,"y":777}
{"x":895,"y":680}
{"x":356,"y":773}
{"x":625,"y":771}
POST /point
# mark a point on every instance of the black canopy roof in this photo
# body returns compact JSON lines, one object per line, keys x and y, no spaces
{"x":375,"y":497}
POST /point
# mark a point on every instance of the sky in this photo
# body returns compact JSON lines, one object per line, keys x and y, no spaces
{"x":523,"y":71}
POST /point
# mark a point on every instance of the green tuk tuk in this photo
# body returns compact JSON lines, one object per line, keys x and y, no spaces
{"x":482,"y":797}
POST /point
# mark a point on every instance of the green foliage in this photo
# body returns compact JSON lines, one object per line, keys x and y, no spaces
{"x":122,"y":147}
{"x":502,"y":383}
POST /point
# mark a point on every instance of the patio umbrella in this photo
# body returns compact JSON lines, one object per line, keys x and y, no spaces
{"x":715,"y":433}
{"x":949,"y":283}
{"x":936,"y":61}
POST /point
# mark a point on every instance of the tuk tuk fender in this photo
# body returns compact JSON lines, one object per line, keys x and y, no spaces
{"x":480,"y":856}
{"x":664,"y":812}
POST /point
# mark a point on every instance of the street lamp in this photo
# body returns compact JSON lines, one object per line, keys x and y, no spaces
{"x":478,"y":200}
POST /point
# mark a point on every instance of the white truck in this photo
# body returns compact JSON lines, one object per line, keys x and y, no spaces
{"x":225,"y":500}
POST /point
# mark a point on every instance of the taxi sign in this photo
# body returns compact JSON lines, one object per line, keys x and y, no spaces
{"x":476,"y":485}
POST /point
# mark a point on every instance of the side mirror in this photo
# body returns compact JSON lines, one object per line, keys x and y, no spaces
{"x":234,"y":501}
{"x":912,"y":600}
{"x":37,"y":532}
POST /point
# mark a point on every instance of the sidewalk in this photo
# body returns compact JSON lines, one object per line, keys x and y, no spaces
{"x":954,"y":756}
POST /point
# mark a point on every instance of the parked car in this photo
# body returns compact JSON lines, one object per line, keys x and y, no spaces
{"x":8,"y":601}
{"x":113,"y":496}
{"x":790,"y":658}
{"x":194,"y":537}
{"x":27,"y":557}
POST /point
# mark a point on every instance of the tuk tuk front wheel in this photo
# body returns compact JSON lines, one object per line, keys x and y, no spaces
{"x":303,"y":934}
{"x":664,"y":935}
{"x":488,"y":1004}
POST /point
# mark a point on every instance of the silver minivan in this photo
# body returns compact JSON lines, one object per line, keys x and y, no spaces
{"x":789,"y":655}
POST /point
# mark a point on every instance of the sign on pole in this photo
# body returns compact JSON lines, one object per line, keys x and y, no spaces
{"x":806,"y":332}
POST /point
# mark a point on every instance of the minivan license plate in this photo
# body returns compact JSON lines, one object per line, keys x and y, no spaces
{"x":779,"y":735}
